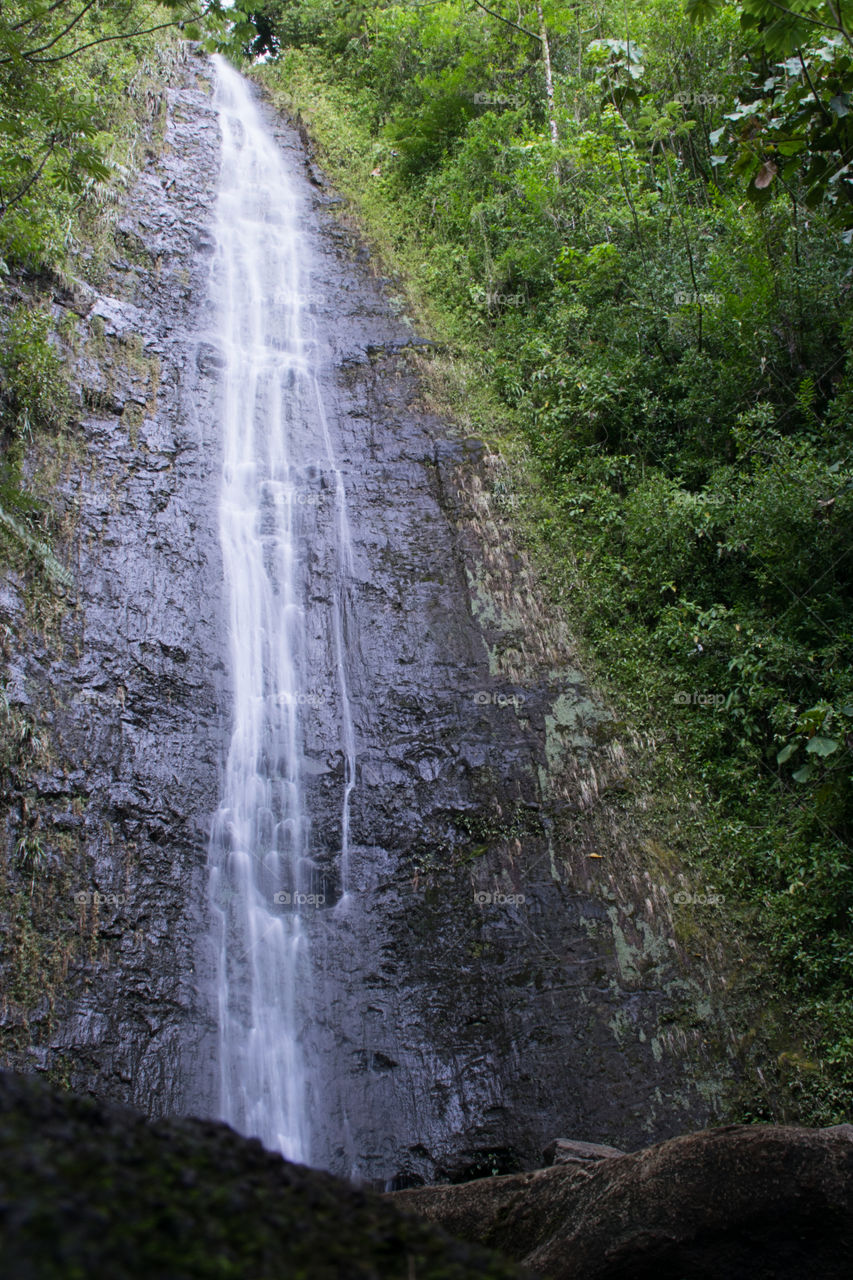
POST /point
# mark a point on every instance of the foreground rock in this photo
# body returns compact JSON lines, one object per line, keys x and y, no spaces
{"x":740,"y":1203}
{"x":95,"y":1190}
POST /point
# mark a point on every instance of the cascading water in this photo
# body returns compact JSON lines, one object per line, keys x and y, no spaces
{"x":276,"y":444}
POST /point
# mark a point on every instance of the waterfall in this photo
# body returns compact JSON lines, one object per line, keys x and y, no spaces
{"x":279,"y":477}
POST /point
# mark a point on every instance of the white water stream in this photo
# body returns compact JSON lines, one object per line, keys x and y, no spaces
{"x":276,"y":442}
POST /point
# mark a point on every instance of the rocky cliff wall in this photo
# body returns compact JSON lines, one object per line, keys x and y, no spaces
{"x":125,"y":680}
{"x":509,"y":964}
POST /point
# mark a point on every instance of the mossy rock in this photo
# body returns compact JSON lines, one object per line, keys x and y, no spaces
{"x":90,"y":1189}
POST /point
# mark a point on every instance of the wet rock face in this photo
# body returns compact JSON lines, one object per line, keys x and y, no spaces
{"x":98,"y":1190}
{"x":480,"y":989}
{"x":747,"y":1202}
{"x":129,"y":693}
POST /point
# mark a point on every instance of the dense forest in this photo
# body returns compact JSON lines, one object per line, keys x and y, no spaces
{"x":628,"y":229}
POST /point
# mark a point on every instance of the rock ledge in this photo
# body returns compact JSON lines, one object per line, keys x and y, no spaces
{"x":739,"y":1203}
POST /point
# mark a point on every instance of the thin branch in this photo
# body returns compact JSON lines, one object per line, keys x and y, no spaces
{"x":31,"y":181}
{"x":696,"y":294}
{"x":57,"y":4}
{"x":823,"y":111}
{"x":30,"y":53}
{"x":501,"y":18}
{"x":815,"y":22}
{"x":641,"y":244}
{"x":549,"y":79}
{"x":123,"y":35}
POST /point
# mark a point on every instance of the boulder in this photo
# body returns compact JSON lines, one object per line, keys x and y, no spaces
{"x":90,"y":1189}
{"x":737,"y":1203}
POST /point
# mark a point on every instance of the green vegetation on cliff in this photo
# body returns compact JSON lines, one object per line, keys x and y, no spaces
{"x":631,"y":227}
{"x":81,"y":95}
{"x":631,"y":224}
{"x":75,"y":79}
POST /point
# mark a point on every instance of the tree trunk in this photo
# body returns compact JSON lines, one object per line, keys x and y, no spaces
{"x":549,"y":79}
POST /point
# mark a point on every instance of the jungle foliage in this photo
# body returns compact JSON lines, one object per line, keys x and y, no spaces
{"x":661,"y":299}
{"x":66,"y":70}
{"x":81,"y":89}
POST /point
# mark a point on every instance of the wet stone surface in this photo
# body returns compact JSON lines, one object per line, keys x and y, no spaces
{"x":131,"y":692}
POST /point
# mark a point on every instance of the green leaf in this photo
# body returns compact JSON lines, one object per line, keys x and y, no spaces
{"x":787,"y":752}
{"x":820,"y":746}
{"x":804,"y":774}
{"x":702,"y":10}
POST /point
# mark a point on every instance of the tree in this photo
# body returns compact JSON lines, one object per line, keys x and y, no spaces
{"x":49,"y":115}
{"x":545,"y":47}
{"x":794,"y":125}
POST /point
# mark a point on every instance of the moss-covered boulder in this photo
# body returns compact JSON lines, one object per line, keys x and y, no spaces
{"x":91,"y":1190}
